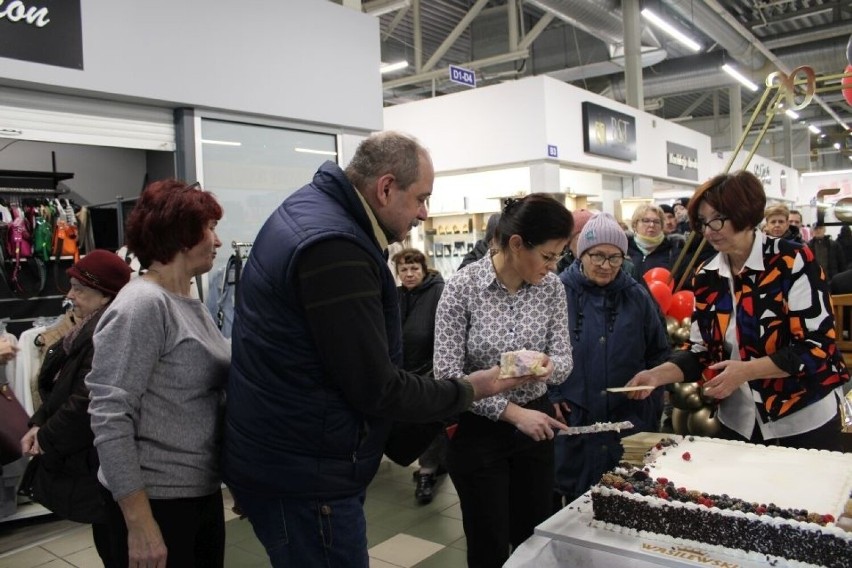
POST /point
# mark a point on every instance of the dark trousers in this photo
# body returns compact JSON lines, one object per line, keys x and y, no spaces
{"x":505,"y":482}
{"x":193,"y":530}
{"x":101,"y":537}
{"x":829,"y":436}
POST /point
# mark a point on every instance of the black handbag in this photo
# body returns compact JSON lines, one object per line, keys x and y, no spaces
{"x":408,"y":440}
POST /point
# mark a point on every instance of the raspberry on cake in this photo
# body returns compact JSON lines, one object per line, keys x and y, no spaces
{"x":522,"y":363}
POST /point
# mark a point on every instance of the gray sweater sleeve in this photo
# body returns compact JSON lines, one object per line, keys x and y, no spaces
{"x":128,"y":341}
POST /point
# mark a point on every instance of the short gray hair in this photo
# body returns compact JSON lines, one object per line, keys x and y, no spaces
{"x":386,"y":153}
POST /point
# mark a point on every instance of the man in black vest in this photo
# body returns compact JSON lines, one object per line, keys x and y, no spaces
{"x":316,"y":378}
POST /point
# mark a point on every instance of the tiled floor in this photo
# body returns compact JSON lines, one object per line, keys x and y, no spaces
{"x":401,"y":533}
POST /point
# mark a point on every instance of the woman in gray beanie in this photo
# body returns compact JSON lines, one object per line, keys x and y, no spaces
{"x":615,"y":332}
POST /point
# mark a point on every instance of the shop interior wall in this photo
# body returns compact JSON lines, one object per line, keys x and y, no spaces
{"x":100,"y":173}
{"x":307,"y":60}
{"x":514,"y":122}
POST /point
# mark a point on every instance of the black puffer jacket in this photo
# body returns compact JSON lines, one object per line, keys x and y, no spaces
{"x":64,"y":476}
{"x":417,"y":307}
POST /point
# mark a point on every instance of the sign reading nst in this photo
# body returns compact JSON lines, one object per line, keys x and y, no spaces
{"x":42,"y":31}
{"x":608,"y":133}
{"x":462,"y":76}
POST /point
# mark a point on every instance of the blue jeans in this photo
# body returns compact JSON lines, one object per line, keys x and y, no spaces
{"x":309,"y":533}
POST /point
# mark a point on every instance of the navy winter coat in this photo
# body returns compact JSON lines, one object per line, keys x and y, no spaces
{"x":616,"y":331}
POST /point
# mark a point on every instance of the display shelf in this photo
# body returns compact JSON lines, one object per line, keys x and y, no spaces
{"x":448,"y":238}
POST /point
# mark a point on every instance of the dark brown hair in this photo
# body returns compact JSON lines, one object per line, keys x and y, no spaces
{"x":738,"y":196}
{"x":410,"y":256}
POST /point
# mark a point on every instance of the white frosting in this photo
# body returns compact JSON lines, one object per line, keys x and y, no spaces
{"x":816,"y":480}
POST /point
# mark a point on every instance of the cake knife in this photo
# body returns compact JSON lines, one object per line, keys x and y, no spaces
{"x":597,"y":427}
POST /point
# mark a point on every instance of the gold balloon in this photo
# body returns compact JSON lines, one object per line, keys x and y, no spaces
{"x":843,"y":210}
{"x":682,"y":334}
{"x":671,"y":326}
{"x":687,"y":322}
{"x":703,"y":422}
{"x":693,"y":401}
{"x":688,"y":388}
{"x":706,"y":398}
{"x":679,"y":421}
{"x":678,"y":400}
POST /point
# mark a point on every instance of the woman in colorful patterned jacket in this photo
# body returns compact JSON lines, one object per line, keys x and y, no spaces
{"x":762,"y":328}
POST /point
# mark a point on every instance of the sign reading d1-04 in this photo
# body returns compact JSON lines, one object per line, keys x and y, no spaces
{"x":462,"y":76}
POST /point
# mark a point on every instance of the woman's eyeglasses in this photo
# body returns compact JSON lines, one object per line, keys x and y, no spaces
{"x":549,"y":258}
{"x":598,"y":259}
{"x":713,"y":224}
{"x":650,"y":221}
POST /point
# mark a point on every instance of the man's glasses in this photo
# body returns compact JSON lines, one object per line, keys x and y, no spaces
{"x":598,"y":259}
{"x":650,"y":221}
{"x":713,"y":224}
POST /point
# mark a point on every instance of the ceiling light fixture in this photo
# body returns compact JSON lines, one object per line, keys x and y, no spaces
{"x":739,"y":77}
{"x":671,"y":30}
{"x":312,"y":151}
{"x":836,"y":145}
{"x":792,"y":114}
{"x":391,"y":67}
{"x":381,"y":7}
{"x":221,"y":142}
{"x":831,"y":173}
{"x":814,"y":129}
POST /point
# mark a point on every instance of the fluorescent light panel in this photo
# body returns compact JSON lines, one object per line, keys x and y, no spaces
{"x":221,"y":142}
{"x":312,"y":151}
{"x":814,"y":129}
{"x":739,"y":77}
{"x":671,"y":30}
{"x":792,"y":114}
{"x":835,"y":172}
{"x":391,"y":67}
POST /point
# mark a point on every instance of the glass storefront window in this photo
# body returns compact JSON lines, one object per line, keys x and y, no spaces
{"x":252,"y":168}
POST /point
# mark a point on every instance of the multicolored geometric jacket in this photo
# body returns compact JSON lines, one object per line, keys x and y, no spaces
{"x":784,"y":312}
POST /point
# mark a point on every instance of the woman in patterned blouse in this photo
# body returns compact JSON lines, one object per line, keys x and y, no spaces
{"x":762,"y":325}
{"x":501,"y":456}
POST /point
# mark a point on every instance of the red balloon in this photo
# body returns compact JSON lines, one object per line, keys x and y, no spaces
{"x":660,"y":291}
{"x":682,"y":305}
{"x":847,"y":85}
{"x":659,"y":274}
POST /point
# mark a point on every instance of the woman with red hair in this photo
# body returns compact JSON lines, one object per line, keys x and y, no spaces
{"x":157,"y":388}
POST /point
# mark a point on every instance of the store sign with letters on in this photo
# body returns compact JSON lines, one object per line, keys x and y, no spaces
{"x":608,"y":133}
{"x":681,"y":161}
{"x":42,"y":31}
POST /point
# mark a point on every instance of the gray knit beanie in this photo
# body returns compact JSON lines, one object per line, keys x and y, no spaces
{"x":601,"y":229}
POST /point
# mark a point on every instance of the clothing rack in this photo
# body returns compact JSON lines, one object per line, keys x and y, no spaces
{"x":22,"y":311}
{"x":239,"y":246}
{"x":35,"y":191}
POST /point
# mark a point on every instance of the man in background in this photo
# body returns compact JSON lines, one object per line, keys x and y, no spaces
{"x":827,"y":252}
{"x":670,"y":221}
{"x":795,"y":220}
